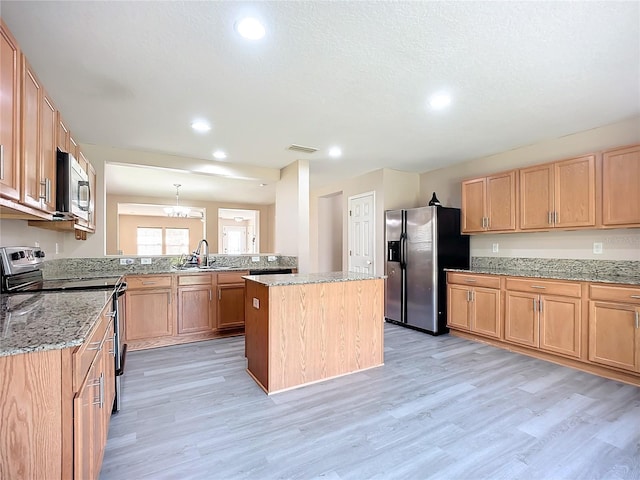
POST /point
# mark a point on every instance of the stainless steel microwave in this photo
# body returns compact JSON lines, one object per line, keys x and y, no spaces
{"x":72,"y":188}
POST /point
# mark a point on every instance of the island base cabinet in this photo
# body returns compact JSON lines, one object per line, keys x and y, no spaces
{"x":257,"y":332}
{"x":614,"y":335}
{"x":230,"y":306}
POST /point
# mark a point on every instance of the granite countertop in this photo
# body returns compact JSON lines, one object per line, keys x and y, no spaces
{"x":306,"y":278}
{"x":32,"y":322}
{"x":161,"y":271}
{"x":556,"y":275}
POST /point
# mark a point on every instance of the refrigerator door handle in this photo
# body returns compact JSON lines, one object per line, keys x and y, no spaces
{"x":403,"y":250}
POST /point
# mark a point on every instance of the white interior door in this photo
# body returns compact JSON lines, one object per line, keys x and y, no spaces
{"x":362,"y":233}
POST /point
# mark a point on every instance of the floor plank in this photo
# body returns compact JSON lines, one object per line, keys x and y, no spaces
{"x":441,"y":407}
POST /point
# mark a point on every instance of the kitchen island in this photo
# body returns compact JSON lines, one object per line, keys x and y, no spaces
{"x":305,"y":328}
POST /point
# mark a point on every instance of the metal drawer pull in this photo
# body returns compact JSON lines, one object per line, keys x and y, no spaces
{"x":470,"y":280}
{"x":111,"y":314}
{"x":148,"y":283}
{"x":637,"y":319}
{"x":556,"y":217}
{"x":540,"y":304}
{"x":549,"y":220}
{"x":538,"y":286}
{"x":95,"y":346}
{"x":637,"y":297}
{"x":1,"y":162}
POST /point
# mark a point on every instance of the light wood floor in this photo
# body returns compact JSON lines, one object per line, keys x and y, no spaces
{"x":440,"y":407}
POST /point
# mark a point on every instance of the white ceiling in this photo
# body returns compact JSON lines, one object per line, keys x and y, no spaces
{"x":134,"y":75}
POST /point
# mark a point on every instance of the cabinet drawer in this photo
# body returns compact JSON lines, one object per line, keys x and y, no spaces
{"x":615,"y":294}
{"x":489,"y":281}
{"x":148,"y":281}
{"x":546,"y":287}
{"x":195,"y":279}
{"x":85,"y":354}
{"x":231,"y":277}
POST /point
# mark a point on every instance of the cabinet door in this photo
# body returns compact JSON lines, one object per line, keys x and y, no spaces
{"x":473,"y":205}
{"x":560,"y":325}
{"x":194,"y":309}
{"x":63,"y":135}
{"x":48,"y":160}
{"x":485,"y":318}
{"x":614,"y":336}
{"x":575,"y":192}
{"x":458,"y":307}
{"x":521,"y":318}
{"x":30,"y":136}
{"x":621,"y":187}
{"x":230,"y":306}
{"x":536,"y":197}
{"x":148,"y":314}
{"x":109,"y":367}
{"x":10,"y":115}
{"x":501,"y":202}
{"x":85,"y":415}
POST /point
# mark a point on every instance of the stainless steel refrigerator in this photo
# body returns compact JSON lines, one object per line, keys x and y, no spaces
{"x":421,"y":243}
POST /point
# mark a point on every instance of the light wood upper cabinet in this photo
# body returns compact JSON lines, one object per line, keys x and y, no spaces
{"x":63,"y":135}
{"x":30,"y":115}
{"x":48,"y":155}
{"x":621,"y":187}
{"x":10,"y":115}
{"x":557,"y":195}
{"x":489,"y":203}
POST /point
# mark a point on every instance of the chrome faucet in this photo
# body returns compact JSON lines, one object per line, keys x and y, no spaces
{"x":206,"y":255}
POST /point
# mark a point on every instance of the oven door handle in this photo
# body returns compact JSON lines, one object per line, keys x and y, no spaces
{"x":120,"y":370}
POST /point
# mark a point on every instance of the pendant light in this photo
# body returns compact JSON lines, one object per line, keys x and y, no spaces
{"x":177,"y":211}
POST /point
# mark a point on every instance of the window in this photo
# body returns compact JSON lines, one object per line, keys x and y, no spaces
{"x":176,"y":241}
{"x":149,"y":241}
{"x":161,"y":241}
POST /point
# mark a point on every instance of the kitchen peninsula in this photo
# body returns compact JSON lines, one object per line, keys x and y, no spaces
{"x":304,"y":328}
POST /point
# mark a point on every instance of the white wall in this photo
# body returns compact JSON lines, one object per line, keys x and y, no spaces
{"x":330,"y":248}
{"x":617,"y":244}
{"x":393,"y":189}
{"x":292,"y":213}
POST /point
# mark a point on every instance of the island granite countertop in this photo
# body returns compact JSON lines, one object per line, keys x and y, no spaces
{"x":555,"y":275}
{"x":277,"y":280}
{"x":33,"y":322}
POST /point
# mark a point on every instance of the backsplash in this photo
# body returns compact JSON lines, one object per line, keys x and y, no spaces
{"x":621,"y":268}
{"x":102,"y":266}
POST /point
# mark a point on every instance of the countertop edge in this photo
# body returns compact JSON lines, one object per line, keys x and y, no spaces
{"x":576,"y":277}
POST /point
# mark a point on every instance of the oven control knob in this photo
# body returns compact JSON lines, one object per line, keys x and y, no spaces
{"x":22,"y":254}
{"x":15,"y":256}
{"x":39,"y":254}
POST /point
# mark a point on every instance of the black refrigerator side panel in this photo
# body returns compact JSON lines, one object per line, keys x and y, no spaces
{"x":453,"y":252}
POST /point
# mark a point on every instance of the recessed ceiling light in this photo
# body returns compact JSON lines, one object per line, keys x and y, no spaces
{"x":440,"y":101}
{"x":263,"y":184}
{"x":219,"y":154}
{"x":201,"y":126}
{"x":335,"y":152}
{"x":250,"y":28}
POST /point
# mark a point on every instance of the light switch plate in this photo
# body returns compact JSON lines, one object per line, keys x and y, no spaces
{"x":597,"y":247}
{"x":256,"y":303}
{"x":145,"y":261}
{"x":255,"y":259}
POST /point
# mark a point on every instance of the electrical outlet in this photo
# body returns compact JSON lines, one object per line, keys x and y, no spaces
{"x":256,"y":303}
{"x":597,"y":247}
{"x":255,"y":259}
{"x":271,"y":258}
{"x":57,"y":248}
{"x":495,"y":248}
{"x":126,"y":261}
{"x":145,"y":261}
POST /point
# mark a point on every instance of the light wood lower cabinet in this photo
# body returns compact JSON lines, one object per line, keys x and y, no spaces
{"x":589,"y":326}
{"x":196,"y":308}
{"x":614,"y":327}
{"x":550,"y":321}
{"x":474,"y":304}
{"x":231,"y":305}
{"x":149,"y":308}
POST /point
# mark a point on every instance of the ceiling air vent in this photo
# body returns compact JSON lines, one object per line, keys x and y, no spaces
{"x":301,"y":148}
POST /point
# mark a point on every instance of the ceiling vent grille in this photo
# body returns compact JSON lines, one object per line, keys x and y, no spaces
{"x":301,"y":148}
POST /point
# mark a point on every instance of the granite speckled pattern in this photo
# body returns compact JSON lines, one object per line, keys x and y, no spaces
{"x":601,"y":271}
{"x":48,"y":321}
{"x":306,"y":278}
{"x":107,"y":266}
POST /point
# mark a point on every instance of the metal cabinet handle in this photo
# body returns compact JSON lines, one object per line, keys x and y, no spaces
{"x":99,"y":382}
{"x":488,"y":222}
{"x":549,"y":219}
{"x":470,"y":280}
{"x":1,"y":162}
{"x":538,"y":286}
{"x":148,"y":282}
{"x":219,"y":294}
{"x":556,"y":218}
{"x":43,"y":190}
{"x":637,"y":319}
{"x":535,"y":305}
{"x":113,"y":345}
{"x":95,"y":346}
{"x":111,"y":314}
{"x":210,"y":295}
{"x":468,"y":295}
{"x":540,"y":305}
{"x":637,"y":297}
